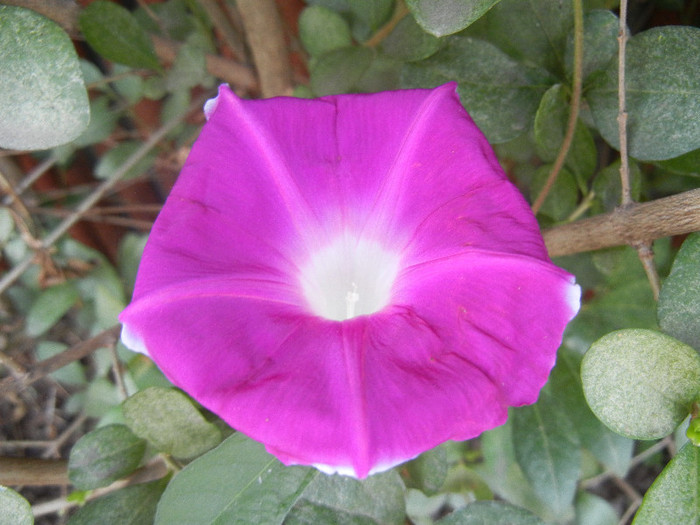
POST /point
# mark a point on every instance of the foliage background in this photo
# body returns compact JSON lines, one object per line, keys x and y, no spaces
{"x":100,"y":103}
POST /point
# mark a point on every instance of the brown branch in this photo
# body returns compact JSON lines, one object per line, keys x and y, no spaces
{"x":33,"y":471}
{"x":45,"y":367}
{"x":675,"y":215}
{"x":265,"y":36}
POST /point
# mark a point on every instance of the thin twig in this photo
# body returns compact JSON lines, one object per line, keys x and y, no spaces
{"x":399,"y":13}
{"x":575,"y":106}
{"x":622,"y":37}
{"x":218,"y":17}
{"x":643,"y":244}
{"x":45,"y":367}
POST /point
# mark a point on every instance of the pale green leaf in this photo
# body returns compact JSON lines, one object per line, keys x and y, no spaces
{"x":14,"y":509}
{"x":444,"y":17}
{"x":409,"y":42}
{"x":640,"y":383}
{"x":43,"y":101}
{"x":168,"y":419}
{"x":236,"y":483}
{"x":674,"y":497}
{"x":593,"y":510}
{"x":663,"y":94}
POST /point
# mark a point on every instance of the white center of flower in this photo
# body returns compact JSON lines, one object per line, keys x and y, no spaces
{"x":349,"y":278}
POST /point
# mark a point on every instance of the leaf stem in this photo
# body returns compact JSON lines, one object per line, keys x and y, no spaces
{"x":575,"y":106}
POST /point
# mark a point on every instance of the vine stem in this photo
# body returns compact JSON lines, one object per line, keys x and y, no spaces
{"x":575,"y":106}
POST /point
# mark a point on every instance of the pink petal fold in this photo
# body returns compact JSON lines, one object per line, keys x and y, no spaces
{"x":472,"y":320}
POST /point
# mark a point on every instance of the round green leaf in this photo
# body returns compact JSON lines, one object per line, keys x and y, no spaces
{"x":675,"y":495}
{"x":104,"y":456}
{"x":322,"y":30}
{"x":340,"y":71}
{"x":14,"y":509}
{"x":43,"y":101}
{"x":640,"y":383}
{"x":114,"y":33}
{"x":663,"y":94}
{"x":169,"y":420}
{"x":679,"y":300}
{"x":444,"y":17}
{"x":237,"y":482}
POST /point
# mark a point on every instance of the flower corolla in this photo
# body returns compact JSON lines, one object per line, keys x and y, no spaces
{"x":350,"y":280}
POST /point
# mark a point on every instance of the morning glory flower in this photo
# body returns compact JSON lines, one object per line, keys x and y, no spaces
{"x":350,"y":280}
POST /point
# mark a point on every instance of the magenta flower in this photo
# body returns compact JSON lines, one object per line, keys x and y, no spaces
{"x":350,"y":280}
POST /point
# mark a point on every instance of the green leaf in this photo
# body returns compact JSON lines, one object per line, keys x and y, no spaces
{"x":114,"y":33}
{"x":428,"y":471}
{"x":113,"y":159}
{"x":663,"y":94}
{"x":134,"y":505}
{"x":43,"y":101}
{"x":237,"y":482}
{"x":102,"y":122}
{"x":503,"y":474}
{"x":371,"y":14}
{"x":640,"y":383}
{"x":547,"y":449}
{"x":322,"y":30}
{"x":490,"y":512}
{"x":608,"y":188}
{"x":383,"y":74}
{"x":532,"y":31}
{"x":189,"y":68}
{"x":679,"y":300}
{"x":49,"y":307}
{"x":611,"y":449}
{"x":168,"y":419}
{"x":562,"y":197}
{"x":592,"y":510}
{"x":103,"y":456}
{"x":686,"y":164}
{"x":501,"y":95}
{"x":14,"y":509}
{"x":600,"y":28}
{"x":444,"y":17}
{"x":550,"y":128}
{"x":675,"y":495}
{"x":409,"y":42}
{"x":339,"y":499}
{"x":340,"y":71}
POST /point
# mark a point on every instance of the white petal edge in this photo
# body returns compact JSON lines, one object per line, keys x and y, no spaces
{"x":132,"y":341}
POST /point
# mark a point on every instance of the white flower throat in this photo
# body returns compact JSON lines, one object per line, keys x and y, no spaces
{"x":348,"y":278}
